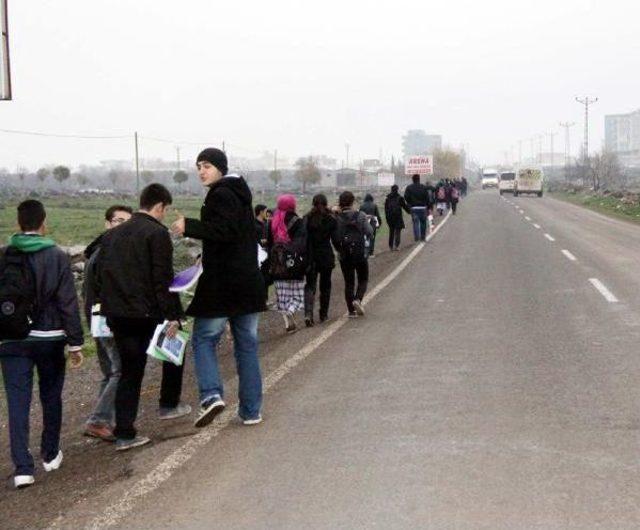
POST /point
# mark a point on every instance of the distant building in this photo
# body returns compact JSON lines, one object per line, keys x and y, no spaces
{"x":622,"y":136}
{"x":418,"y":142}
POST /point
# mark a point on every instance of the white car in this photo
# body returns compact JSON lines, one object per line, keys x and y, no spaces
{"x":507,"y":182}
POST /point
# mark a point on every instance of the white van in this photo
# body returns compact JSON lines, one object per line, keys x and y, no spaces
{"x":507,"y":182}
{"x":489,"y":178}
{"x":529,"y":180}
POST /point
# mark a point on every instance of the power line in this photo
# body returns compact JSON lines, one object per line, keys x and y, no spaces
{"x":587,"y":102}
{"x":56,"y":135}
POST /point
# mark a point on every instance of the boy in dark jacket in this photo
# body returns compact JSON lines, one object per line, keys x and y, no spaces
{"x":101,"y":420}
{"x":231,"y":288}
{"x":419,"y":200}
{"x":394,"y":204}
{"x":56,"y":323}
{"x":135,"y":270}
{"x":370,"y":208}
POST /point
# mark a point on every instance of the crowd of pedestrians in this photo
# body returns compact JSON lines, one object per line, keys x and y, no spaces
{"x":246,"y":251}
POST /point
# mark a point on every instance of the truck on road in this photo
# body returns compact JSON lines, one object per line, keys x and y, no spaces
{"x":489,"y":178}
{"x":529,"y":180}
{"x":507,"y":182}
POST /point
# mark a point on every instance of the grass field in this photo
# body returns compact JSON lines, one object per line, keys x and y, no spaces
{"x":608,"y":205}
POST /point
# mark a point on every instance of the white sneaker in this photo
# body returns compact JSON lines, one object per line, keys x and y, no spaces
{"x":357,"y":305}
{"x":54,"y":464}
{"x":23,"y":481}
{"x":253,"y":421}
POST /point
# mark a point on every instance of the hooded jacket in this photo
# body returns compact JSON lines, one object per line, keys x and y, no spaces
{"x":57,"y":315}
{"x":393,"y":206}
{"x":371,"y":208}
{"x":231,"y":283}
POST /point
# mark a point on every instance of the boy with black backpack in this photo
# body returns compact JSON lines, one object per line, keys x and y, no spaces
{"x":39,"y":316}
{"x":349,"y":241}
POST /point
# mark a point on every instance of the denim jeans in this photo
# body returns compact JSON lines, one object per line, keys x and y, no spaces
{"x":18,"y":361}
{"x":104,"y":411}
{"x":206,"y":337}
{"x":419,"y":218}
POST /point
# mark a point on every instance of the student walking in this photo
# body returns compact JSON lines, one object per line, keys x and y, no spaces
{"x":418,"y":199}
{"x":230,"y":290}
{"x":262,"y":235}
{"x":394,"y":205}
{"x":35,"y":337}
{"x":321,"y":226}
{"x":349,"y":240}
{"x":135,"y":270}
{"x":288,"y":243}
{"x":454,"y":197}
{"x":441,"y":197}
{"x":102,"y":419}
{"x":370,"y":208}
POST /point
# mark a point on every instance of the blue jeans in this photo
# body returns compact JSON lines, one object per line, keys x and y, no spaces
{"x":419,"y":218}
{"x":18,"y":360}
{"x":104,"y":412}
{"x":206,"y":337}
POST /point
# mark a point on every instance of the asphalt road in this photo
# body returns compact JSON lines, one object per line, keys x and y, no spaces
{"x":493,"y":384}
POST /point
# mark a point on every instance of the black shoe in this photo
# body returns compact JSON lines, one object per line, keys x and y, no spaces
{"x":209,"y":410}
{"x":308,"y":321}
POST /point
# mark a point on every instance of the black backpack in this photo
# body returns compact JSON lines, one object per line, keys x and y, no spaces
{"x":288,"y":261}
{"x":352,"y":243}
{"x":17,"y":295}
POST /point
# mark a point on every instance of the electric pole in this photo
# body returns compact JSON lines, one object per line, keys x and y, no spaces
{"x":347,"y":146}
{"x":587,"y":102}
{"x":519,"y":151}
{"x":567,"y":141}
{"x":178,"y":156}
{"x":135,"y":137}
{"x":551,"y":135}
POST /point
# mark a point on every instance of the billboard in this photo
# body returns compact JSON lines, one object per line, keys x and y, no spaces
{"x":5,"y":71}
{"x":420,"y":164}
{"x":386,"y":179}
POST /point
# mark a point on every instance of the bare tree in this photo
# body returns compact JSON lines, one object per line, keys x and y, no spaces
{"x":447,"y":164}
{"x":82,"y":179}
{"x":607,"y":171}
{"x":307,"y":172}
{"x":276,"y":177}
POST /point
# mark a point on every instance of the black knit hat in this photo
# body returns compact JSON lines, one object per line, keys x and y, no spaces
{"x":215,"y":157}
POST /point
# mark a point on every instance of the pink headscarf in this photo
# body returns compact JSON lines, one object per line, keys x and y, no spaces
{"x":286,"y":203}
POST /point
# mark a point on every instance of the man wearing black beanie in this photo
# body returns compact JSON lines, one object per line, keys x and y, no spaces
{"x":230,"y":289}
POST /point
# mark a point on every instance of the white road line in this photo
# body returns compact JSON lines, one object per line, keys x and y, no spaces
{"x":528,"y":218}
{"x":112,"y":514}
{"x":569,"y":256}
{"x":536,"y":226}
{"x":549,"y":237}
{"x":602,"y":289}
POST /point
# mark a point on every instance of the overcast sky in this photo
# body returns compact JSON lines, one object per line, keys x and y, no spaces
{"x":307,"y":77}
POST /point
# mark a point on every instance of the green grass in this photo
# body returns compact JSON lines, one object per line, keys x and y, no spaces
{"x":606,"y":205}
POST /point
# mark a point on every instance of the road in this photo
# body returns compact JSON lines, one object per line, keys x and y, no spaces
{"x":495,"y":383}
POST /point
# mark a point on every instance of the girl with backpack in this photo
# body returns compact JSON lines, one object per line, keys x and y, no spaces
{"x":349,"y":240}
{"x":287,"y":243}
{"x":393,"y":206}
{"x":321,"y":225}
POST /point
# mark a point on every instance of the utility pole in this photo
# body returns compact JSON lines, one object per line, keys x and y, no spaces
{"x":135,"y":136}
{"x":567,"y":146}
{"x":551,"y":146}
{"x":540,"y":140}
{"x":178,"y":156}
{"x":275,"y":160}
{"x":587,"y":102}
{"x":347,"y":146}
{"x":223,"y":147}
{"x":519,"y":151}
{"x":533,"y":156}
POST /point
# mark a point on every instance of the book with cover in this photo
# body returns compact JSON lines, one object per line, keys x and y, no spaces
{"x":186,"y":279}
{"x":168,"y":349}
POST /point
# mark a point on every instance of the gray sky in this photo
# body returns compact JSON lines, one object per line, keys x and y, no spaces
{"x":307,"y":78}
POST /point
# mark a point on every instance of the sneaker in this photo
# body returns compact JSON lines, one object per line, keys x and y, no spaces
{"x":165,"y":413}
{"x":23,"y":481}
{"x":252,"y":421}
{"x":352,"y":314}
{"x":123,"y":444}
{"x":372,"y":256}
{"x":54,"y":464}
{"x":209,"y":410}
{"x":308,"y":321}
{"x":102,"y":432}
{"x":357,"y":305}
{"x":290,"y":323}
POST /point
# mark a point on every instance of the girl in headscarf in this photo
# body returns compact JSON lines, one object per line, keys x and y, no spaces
{"x":287,"y":227}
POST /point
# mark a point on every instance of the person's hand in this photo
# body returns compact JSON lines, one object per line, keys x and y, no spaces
{"x":178,"y":227}
{"x":172,"y":328}
{"x":76,"y":358}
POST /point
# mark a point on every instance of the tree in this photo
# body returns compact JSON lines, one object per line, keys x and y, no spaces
{"x":447,"y":164}
{"x":61,"y":173}
{"x":607,"y":171}
{"x":276,"y":177}
{"x":43,"y":174}
{"x":180,"y":177}
{"x":147,"y":176}
{"x":82,"y":179}
{"x":22,"y":173}
{"x":113,"y":177}
{"x":307,"y":172}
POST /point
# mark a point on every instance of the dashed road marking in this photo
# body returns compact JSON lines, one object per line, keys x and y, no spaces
{"x":550,"y":238}
{"x":528,"y":218}
{"x":602,"y":289}
{"x":537,"y":227}
{"x":568,"y":255}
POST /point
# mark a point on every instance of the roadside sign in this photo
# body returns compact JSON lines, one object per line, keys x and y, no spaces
{"x":386,"y":179}
{"x":418,"y":164}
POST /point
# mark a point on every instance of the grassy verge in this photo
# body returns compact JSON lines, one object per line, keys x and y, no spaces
{"x":607,"y":205}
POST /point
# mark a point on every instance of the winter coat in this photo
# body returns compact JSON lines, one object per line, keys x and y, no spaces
{"x":343,"y":219}
{"x":417,"y":194}
{"x":393,"y":206}
{"x":231,"y":283}
{"x":89,"y":285}
{"x":57,"y":314}
{"x":371,"y":208}
{"x":134,"y":271}
{"x":320,"y":228}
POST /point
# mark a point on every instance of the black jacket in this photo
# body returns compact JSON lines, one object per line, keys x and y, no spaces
{"x":371,"y":208}
{"x":320,"y":228}
{"x":89,"y":285}
{"x":343,"y":219}
{"x":231,"y":284}
{"x":417,"y":194}
{"x":134,"y":271}
{"x":393,"y":206}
